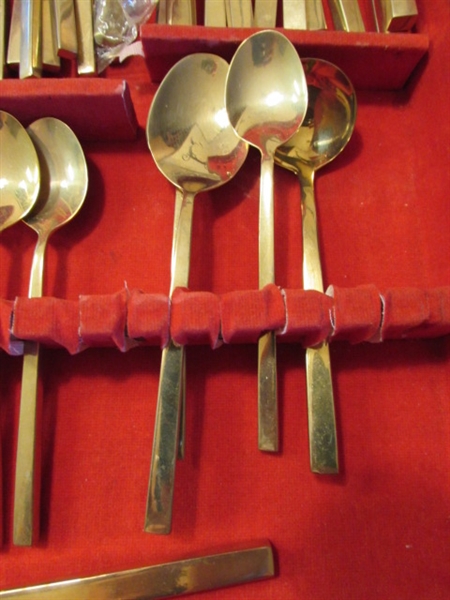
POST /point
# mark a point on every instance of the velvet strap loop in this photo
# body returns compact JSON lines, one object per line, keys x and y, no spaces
{"x":132,"y":317}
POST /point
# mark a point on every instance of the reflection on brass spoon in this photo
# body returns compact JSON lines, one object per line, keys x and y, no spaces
{"x":324,"y":133}
{"x":266,"y":99}
{"x":64,"y":181}
{"x":195,"y":147}
{"x":19,"y":171}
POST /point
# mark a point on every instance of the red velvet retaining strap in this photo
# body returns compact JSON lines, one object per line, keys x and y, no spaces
{"x":129,"y":318}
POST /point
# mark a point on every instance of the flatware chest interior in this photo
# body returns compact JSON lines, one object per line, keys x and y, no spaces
{"x":149,"y":319}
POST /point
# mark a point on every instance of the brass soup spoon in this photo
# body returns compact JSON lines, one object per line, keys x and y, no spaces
{"x":266,"y":99}
{"x":326,"y":130}
{"x":19,"y":171}
{"x":64,"y":182}
{"x":195,"y":147}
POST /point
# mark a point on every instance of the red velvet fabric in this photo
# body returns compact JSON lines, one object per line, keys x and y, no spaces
{"x":380,"y":528}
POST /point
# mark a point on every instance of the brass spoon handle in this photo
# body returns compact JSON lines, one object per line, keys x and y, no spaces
{"x":158,"y":517}
{"x":320,"y":400}
{"x":27,"y":480}
{"x":267,"y":366}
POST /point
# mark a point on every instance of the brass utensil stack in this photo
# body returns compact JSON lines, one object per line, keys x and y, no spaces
{"x":42,"y":32}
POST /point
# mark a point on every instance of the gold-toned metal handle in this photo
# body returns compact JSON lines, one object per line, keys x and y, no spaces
{"x":13,"y":51}
{"x":265,"y":13}
{"x":86,"y":64}
{"x":222,"y":569}
{"x":215,"y":13}
{"x":267,"y":367}
{"x":158,"y":518}
{"x":239,"y":13}
{"x":27,"y":476}
{"x":398,"y":15}
{"x":2,"y":38}
{"x":347,"y":15}
{"x":50,"y":58}
{"x":320,"y":397}
{"x":294,"y":14}
{"x":66,"y":29}
{"x":315,"y":16}
{"x":30,"y":39}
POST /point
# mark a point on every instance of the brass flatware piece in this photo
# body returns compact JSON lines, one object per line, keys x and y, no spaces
{"x":2,"y":38}
{"x":239,"y":13}
{"x":324,"y":133}
{"x":315,"y":16}
{"x":266,"y":100}
{"x":50,"y":58}
{"x":86,"y":63}
{"x":63,"y":188}
{"x":179,"y":578}
{"x":294,"y":14}
{"x":190,"y":141}
{"x":30,"y":39}
{"x":398,"y":15}
{"x":347,"y":15}
{"x":215,"y":13}
{"x":66,"y":28}
{"x":265,"y":13}
{"x":19,"y":171}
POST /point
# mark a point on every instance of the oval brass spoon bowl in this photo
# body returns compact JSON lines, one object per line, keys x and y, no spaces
{"x":326,"y":130}
{"x":266,"y":99}
{"x":64,"y":182}
{"x":19,"y":171}
{"x":195,"y":147}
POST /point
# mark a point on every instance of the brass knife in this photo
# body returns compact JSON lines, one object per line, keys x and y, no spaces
{"x":160,"y":581}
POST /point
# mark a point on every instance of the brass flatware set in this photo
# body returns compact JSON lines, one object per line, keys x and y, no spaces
{"x":299,"y":113}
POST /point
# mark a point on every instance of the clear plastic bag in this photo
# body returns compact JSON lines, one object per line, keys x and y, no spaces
{"x":116,"y":25}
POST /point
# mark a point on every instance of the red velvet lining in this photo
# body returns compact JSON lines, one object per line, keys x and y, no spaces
{"x":307,"y":317}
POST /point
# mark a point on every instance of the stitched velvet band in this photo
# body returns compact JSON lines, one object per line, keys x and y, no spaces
{"x":128,"y":318}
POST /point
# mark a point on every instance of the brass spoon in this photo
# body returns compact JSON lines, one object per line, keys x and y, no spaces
{"x":266,"y":99}
{"x":19,"y":171}
{"x":324,"y":133}
{"x":195,"y":147}
{"x":64,"y":181}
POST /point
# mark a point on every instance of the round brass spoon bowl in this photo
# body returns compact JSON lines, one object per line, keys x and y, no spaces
{"x":266,"y":98}
{"x":64,"y":182}
{"x":195,"y":147}
{"x":19,"y":171}
{"x":324,"y":133}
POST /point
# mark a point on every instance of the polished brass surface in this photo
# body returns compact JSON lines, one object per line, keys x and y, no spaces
{"x":166,"y":580}
{"x":2,"y":38}
{"x":19,"y":171}
{"x":315,"y":16}
{"x":398,"y":15}
{"x":266,"y":99}
{"x":86,"y":64}
{"x":66,"y":28}
{"x":63,"y":188}
{"x":13,"y":49}
{"x":50,"y":58}
{"x":194,"y":146}
{"x":324,"y":133}
{"x":346,"y":15}
{"x":215,"y":13}
{"x":30,"y":39}
{"x":239,"y":13}
{"x":179,"y":12}
{"x":265,"y":13}
{"x":294,"y":14}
